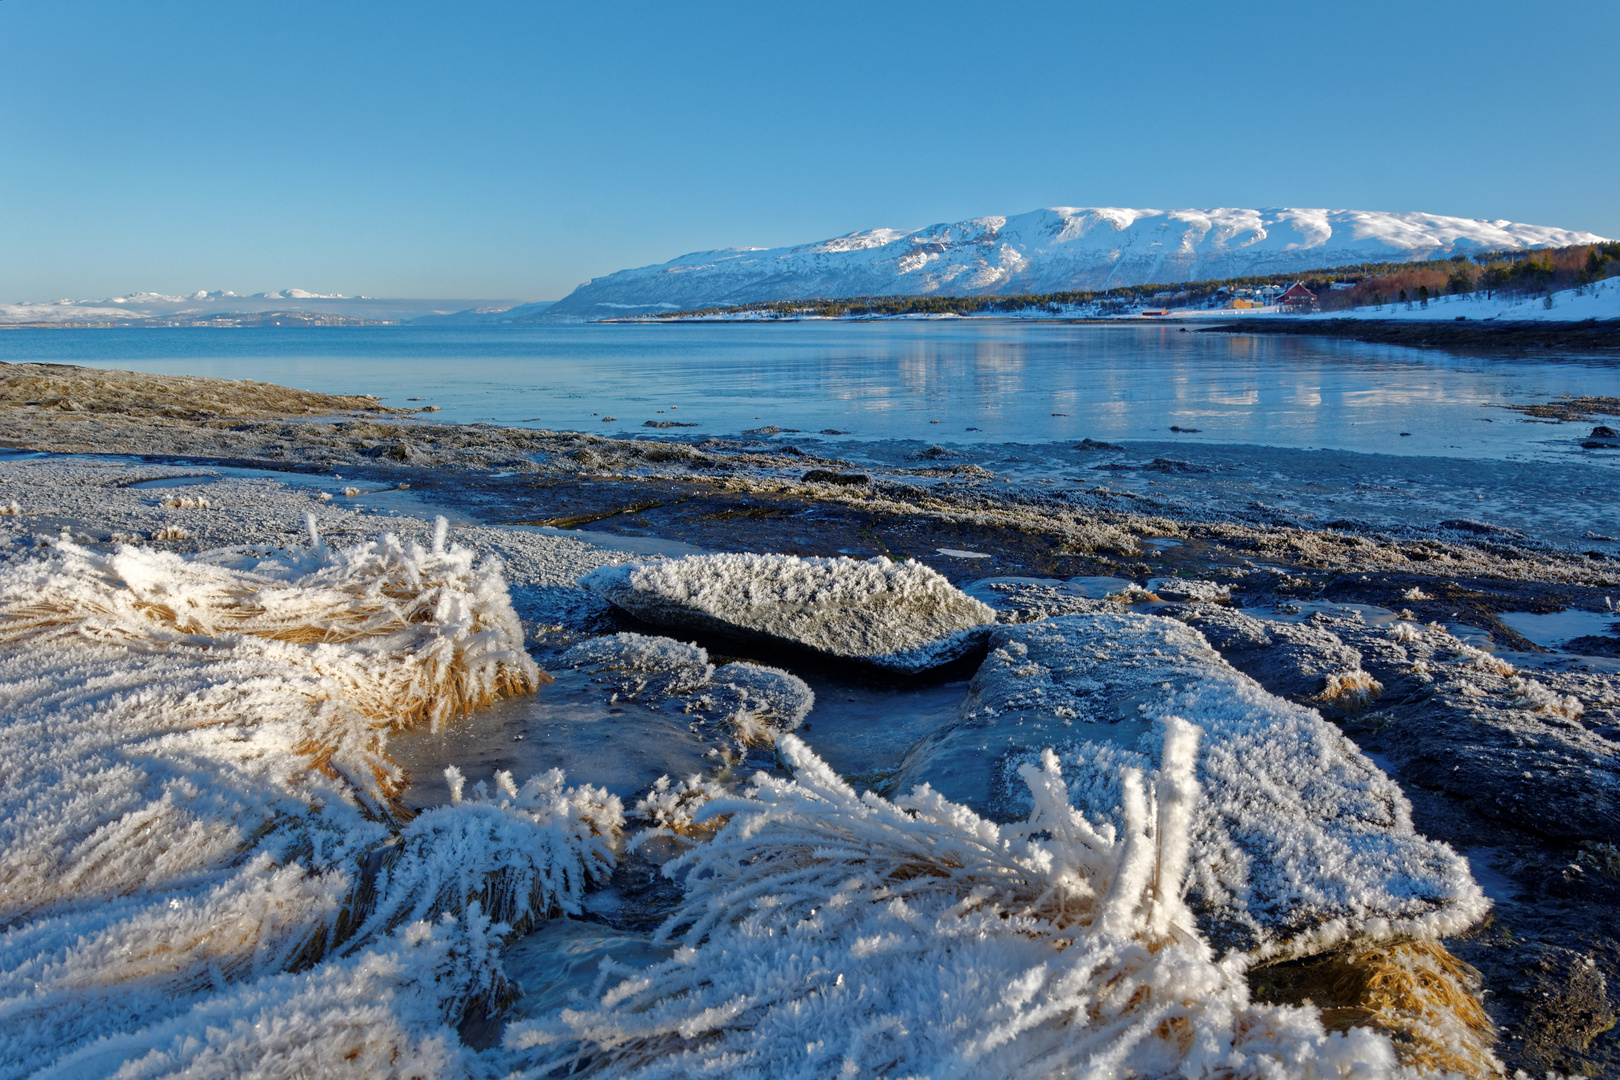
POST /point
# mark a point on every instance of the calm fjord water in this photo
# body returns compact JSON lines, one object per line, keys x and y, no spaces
{"x":982,"y":381}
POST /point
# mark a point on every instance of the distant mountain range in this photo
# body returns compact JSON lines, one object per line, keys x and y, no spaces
{"x":1052,"y":250}
{"x":260,"y":309}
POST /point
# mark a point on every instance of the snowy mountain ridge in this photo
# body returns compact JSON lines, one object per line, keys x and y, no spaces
{"x":1050,"y":250}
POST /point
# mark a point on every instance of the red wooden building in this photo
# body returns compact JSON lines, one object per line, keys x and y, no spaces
{"x":1297,"y":299}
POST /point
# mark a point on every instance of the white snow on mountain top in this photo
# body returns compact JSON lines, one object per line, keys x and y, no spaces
{"x":1052,"y":250}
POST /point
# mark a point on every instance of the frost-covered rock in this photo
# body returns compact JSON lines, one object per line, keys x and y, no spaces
{"x":901,"y":616}
{"x":1537,"y":753}
{"x":1171,"y":588}
{"x":753,"y":700}
{"x":1299,"y":661}
{"x":1299,"y":842}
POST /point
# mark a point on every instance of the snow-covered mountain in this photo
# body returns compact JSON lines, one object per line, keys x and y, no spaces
{"x":1050,"y":250}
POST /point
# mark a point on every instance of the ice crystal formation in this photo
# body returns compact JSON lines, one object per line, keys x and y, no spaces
{"x":202,"y":862}
{"x":826,"y":933}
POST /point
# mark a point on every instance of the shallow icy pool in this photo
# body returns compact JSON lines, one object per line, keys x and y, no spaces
{"x":1553,"y":630}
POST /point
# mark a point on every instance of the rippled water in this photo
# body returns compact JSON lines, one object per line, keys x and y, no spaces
{"x":945,"y":381}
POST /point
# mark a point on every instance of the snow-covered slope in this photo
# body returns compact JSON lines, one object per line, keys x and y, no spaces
{"x":1600,"y":300}
{"x":1050,"y":250}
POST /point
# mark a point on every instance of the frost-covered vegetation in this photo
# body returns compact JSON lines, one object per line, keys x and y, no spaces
{"x":829,"y":934}
{"x":902,"y":616}
{"x":201,"y":852}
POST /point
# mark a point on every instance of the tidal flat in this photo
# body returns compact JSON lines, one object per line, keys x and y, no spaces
{"x":1395,"y":596}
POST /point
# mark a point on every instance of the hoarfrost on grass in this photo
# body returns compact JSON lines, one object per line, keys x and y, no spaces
{"x":828,"y":933}
{"x":197,"y":798}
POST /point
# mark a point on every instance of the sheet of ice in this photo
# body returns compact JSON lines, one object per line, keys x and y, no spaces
{"x":622,"y":711}
{"x":863,"y":731}
{"x":1554,"y":629}
{"x":901,"y":616}
{"x":825,"y":933}
{"x":1299,"y":841}
{"x":1171,"y":588}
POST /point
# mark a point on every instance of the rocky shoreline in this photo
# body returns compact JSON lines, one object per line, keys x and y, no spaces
{"x":1519,"y":769}
{"x":1467,"y":336}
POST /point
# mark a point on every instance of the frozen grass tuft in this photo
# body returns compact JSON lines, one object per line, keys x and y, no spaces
{"x":826,"y":933}
{"x":1350,"y":690}
{"x":674,"y":810}
{"x":1405,"y":633}
{"x":1416,"y":992}
{"x":1537,"y":698}
{"x":197,"y":798}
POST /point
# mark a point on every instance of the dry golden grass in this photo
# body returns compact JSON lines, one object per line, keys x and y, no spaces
{"x":1350,"y":690}
{"x":1415,"y":992}
{"x":68,"y":389}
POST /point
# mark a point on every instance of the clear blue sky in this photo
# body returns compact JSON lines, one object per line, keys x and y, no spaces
{"x":515,"y":149}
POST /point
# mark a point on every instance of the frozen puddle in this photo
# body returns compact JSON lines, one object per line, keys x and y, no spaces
{"x":864,"y":731}
{"x":991,"y":589}
{"x":1554,"y":630}
{"x":568,"y":724}
{"x":957,"y":554}
{"x":173,"y":482}
{"x":1300,"y":611}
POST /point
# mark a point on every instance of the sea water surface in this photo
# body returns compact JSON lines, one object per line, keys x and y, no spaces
{"x":946,"y":381}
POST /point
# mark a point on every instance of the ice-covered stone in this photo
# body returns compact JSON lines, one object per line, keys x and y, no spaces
{"x":754,"y":699}
{"x":1298,"y":661}
{"x":1171,"y":588}
{"x":1300,"y":841}
{"x":901,"y":616}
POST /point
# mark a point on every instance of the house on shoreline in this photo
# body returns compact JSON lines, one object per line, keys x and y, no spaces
{"x":1297,"y":300}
